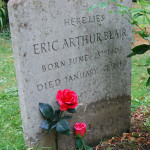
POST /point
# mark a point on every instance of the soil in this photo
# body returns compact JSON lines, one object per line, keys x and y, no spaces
{"x":139,"y":40}
{"x":138,"y":137}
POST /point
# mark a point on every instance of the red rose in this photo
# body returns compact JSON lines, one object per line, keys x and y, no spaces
{"x":67,"y":99}
{"x":80,"y":129}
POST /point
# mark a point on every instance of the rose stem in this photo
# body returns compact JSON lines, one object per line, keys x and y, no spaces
{"x":57,"y":132}
{"x":56,"y":140}
{"x":60,"y":114}
{"x":83,"y":144}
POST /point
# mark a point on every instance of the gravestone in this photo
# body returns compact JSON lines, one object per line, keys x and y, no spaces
{"x":58,"y":45}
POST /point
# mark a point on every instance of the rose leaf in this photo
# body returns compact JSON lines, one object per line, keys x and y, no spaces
{"x":45,"y":124}
{"x":57,"y":103}
{"x":51,"y":128}
{"x":67,"y":117}
{"x":56,"y":115}
{"x":79,"y":143}
{"x":63,"y":127}
{"x":67,"y":132}
{"x":46,"y":110}
{"x":71,"y":110}
{"x":89,"y":148}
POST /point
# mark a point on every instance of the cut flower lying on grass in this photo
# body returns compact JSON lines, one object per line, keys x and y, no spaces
{"x":80,"y":132}
{"x":67,"y":101}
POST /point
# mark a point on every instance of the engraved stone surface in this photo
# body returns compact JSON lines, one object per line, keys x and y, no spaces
{"x":58,"y":45}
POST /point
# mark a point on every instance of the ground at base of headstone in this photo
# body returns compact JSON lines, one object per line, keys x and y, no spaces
{"x":138,"y":137}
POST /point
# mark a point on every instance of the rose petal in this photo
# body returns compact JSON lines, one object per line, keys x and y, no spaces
{"x":63,"y":107}
{"x":67,"y":99}
{"x":59,"y":97}
{"x":80,"y":128}
{"x":73,"y":106}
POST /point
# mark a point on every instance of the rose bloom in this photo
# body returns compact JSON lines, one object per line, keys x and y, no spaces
{"x":67,"y":99}
{"x":80,"y":129}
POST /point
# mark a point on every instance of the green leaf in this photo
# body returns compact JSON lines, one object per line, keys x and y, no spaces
{"x":137,"y":15}
{"x":115,"y":12}
{"x":67,"y":117}
{"x":45,"y":124}
{"x":111,"y":12}
{"x":148,"y":82}
{"x":3,"y":12}
{"x":46,"y":110}
{"x":131,"y":54}
{"x":89,"y":148}
{"x":147,"y":37}
{"x":148,"y":70}
{"x":103,"y":5}
{"x":51,"y":128}
{"x":57,"y":103}
{"x":135,"y":10}
{"x":79,"y":143}
{"x":142,"y":34}
{"x":56,"y":115}
{"x":1,"y":22}
{"x":147,"y":18}
{"x":141,"y":49}
{"x":63,"y":127}
{"x":134,"y":22}
{"x":79,"y":135}
{"x":113,"y":1}
{"x":92,"y":7}
{"x":146,"y":2}
{"x":122,"y":8}
{"x":71,"y":110}
{"x":67,"y":132}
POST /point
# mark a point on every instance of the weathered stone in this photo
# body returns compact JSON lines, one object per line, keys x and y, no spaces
{"x":58,"y":45}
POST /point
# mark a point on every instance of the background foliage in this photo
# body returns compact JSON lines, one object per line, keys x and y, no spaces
{"x":3,"y":14}
{"x":4,"y":21}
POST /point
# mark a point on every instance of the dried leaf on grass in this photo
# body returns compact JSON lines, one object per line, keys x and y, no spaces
{"x":137,"y":139}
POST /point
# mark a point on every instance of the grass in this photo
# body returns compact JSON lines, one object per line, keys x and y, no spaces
{"x":11,"y":134}
{"x":140,"y":93}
